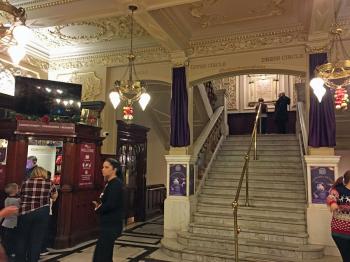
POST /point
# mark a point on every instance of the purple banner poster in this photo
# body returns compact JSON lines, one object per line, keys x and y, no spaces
{"x":322,"y":178}
{"x":177,"y":180}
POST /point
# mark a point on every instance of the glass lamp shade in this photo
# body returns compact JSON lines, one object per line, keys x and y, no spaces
{"x":144,"y":100}
{"x":316,"y":83}
{"x":319,"y":93}
{"x":115,"y":98}
{"x":16,"y":53}
{"x":22,"y":34}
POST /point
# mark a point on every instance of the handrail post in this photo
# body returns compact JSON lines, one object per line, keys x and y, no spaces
{"x":236,"y":229}
{"x":247,"y":182}
{"x":255,"y":146}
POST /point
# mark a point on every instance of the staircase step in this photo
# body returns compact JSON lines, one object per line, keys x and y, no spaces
{"x":255,"y":234}
{"x":258,"y":164}
{"x":252,"y":222}
{"x":262,"y":148}
{"x":248,"y":211}
{"x":279,"y":158}
{"x":272,"y":137}
{"x":282,"y":177}
{"x":257,"y":182}
{"x":249,"y":248}
{"x":258,"y":202}
{"x":255,"y":192}
{"x":260,"y":152}
{"x":263,"y":169}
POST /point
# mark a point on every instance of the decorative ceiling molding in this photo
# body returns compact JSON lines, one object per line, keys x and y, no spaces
{"x":145,"y":55}
{"x":244,"y":42}
{"x":201,"y":12}
{"x":91,"y":84}
{"x":39,"y":4}
{"x":87,"y":32}
{"x":38,"y":63}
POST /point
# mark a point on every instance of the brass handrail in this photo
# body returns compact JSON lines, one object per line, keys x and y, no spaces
{"x":244,"y":173}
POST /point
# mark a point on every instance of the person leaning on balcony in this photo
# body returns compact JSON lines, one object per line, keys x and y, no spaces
{"x":339,"y":202}
{"x":110,"y":210}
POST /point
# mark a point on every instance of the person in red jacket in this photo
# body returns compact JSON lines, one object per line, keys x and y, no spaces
{"x":339,"y":202}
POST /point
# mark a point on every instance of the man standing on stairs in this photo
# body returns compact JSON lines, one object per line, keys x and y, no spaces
{"x":281,"y":112}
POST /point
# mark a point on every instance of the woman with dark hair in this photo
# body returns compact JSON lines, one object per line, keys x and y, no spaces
{"x":339,"y":202}
{"x":110,"y":210}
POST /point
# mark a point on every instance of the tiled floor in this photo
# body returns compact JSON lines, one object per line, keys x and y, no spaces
{"x":137,"y":243}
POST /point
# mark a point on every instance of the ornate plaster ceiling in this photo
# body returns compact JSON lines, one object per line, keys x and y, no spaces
{"x":84,"y":27}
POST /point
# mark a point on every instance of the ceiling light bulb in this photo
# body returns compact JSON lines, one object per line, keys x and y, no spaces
{"x":316,"y":82}
{"x":16,"y":53}
{"x":144,"y":100}
{"x":115,"y":98}
{"x":22,"y":34}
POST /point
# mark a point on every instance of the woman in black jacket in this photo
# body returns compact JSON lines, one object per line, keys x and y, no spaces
{"x":110,"y":210}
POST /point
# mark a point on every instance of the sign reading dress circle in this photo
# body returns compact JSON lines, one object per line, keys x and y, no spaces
{"x":87,"y":165}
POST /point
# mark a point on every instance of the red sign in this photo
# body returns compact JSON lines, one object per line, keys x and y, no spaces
{"x":28,"y":126}
{"x":87,"y":165}
{"x":2,"y":175}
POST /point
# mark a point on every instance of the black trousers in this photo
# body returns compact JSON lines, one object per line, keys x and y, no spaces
{"x":9,"y":237}
{"x":105,"y":243}
{"x":343,"y":245}
{"x":282,"y":127}
{"x":262,"y":125}
{"x":32,"y":228}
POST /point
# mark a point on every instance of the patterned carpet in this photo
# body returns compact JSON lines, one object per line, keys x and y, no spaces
{"x":135,"y":244}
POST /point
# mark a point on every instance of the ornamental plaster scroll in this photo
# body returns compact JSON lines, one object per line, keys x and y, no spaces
{"x":239,"y":43}
{"x":231,"y":86}
{"x":87,"y":32}
{"x":38,"y":63}
{"x":40,"y":4}
{"x":201,"y":12}
{"x":108,"y":59}
{"x":91,"y":84}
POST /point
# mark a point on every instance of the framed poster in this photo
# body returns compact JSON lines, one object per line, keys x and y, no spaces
{"x":87,"y":165}
{"x":177,"y":180}
{"x":322,"y":179}
{"x":3,"y":154}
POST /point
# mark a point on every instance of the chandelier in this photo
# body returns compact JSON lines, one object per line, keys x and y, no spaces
{"x":14,"y":35}
{"x":335,"y":74}
{"x":129,"y":90}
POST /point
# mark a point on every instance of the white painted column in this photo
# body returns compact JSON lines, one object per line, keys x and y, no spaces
{"x":322,"y":171}
{"x":180,"y":190}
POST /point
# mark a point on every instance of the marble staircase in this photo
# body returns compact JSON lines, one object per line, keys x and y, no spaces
{"x":273,"y":228}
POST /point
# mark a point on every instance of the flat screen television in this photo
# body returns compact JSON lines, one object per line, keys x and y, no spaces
{"x":44,"y":97}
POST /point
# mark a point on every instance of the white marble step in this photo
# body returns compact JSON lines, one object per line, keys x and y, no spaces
{"x":271,"y":137}
{"x":258,"y":202}
{"x":248,"y":246}
{"x":281,"y":213}
{"x":257,"y":182}
{"x":255,"y":193}
{"x":259,"y":163}
{"x":264,"y":169}
{"x":252,"y":222}
{"x":249,"y":233}
{"x":260,"y":152}
{"x":261,"y":148}
{"x":260,"y":158}
{"x":281,"y":177}
{"x":261,"y":142}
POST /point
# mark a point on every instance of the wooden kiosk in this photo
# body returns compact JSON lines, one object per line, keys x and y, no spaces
{"x":81,"y":181}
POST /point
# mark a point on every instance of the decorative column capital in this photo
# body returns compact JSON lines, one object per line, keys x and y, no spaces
{"x":178,"y":58}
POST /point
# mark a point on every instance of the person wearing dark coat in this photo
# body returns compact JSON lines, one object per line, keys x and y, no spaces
{"x":110,"y":209}
{"x":281,"y":113}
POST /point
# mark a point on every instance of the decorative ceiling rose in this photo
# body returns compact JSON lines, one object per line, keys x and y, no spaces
{"x":79,"y":31}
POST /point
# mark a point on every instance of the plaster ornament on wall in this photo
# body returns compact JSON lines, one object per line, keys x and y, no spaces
{"x":234,"y":43}
{"x":144,"y":55}
{"x":36,"y":62}
{"x":203,"y":12}
{"x":91,"y":84}
{"x":39,"y":4}
{"x":86,"y":32}
{"x":230,"y":84}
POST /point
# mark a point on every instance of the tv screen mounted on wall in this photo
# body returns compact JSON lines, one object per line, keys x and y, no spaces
{"x":44,"y":97}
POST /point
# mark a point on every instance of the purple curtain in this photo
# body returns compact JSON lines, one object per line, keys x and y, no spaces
{"x":321,"y":115}
{"x":180,"y":131}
